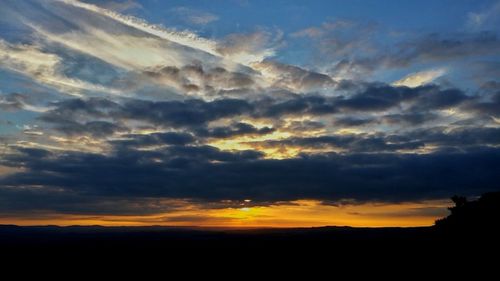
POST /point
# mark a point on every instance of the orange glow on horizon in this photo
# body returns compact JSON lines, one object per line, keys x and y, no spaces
{"x":302,"y":213}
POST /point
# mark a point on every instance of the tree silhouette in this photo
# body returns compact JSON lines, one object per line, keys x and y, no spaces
{"x":480,"y":214}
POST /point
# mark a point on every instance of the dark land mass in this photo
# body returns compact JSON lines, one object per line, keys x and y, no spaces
{"x":470,"y":226}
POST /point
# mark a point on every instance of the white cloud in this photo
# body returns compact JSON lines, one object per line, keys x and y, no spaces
{"x":420,"y":78}
{"x":250,"y":48}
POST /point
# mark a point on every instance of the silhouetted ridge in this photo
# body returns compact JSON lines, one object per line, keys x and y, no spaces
{"x":481,"y":214}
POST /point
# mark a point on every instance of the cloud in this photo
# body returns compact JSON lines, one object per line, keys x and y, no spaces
{"x":93,"y":128}
{"x":188,"y":113}
{"x":419,"y":78}
{"x":43,"y":67}
{"x":484,"y":19}
{"x":119,"y":6}
{"x":358,"y":49}
{"x":344,"y":49}
{"x":352,"y":122}
{"x":12,"y":102}
{"x":28,"y":59}
{"x":197,"y":113}
{"x":253,"y":47}
{"x":299,"y":105}
{"x":196,"y":80}
{"x":183,"y":113}
{"x":292,"y":77}
{"x":250,"y":48}
{"x":131,"y":58}
{"x":312,"y":32}
{"x":439,"y":47}
{"x":16,"y":101}
{"x":185,"y":38}
{"x":434,"y":138}
{"x":410,"y":118}
{"x":488,"y":105}
{"x":191,"y":172}
{"x":415,"y":50}
{"x":237,"y":129}
{"x":155,"y":139}
{"x":121,"y":50}
{"x":194,"y":16}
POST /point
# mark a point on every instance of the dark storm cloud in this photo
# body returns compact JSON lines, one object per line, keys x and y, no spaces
{"x":487,"y":104}
{"x":73,"y":116}
{"x":374,"y":98}
{"x":411,"y":118}
{"x":464,"y":163}
{"x":305,"y":125}
{"x":377,"y":98}
{"x":93,"y":128}
{"x":443,"y":137}
{"x":170,"y":138}
{"x":206,"y":153}
{"x":70,"y":202}
{"x":314,"y":105}
{"x":237,"y":129}
{"x":406,"y":118}
{"x":459,"y":137}
{"x":352,"y":122}
{"x":33,"y":153}
{"x":82,"y":117}
{"x":439,"y":99}
{"x":187,"y":113}
{"x":363,"y":177}
{"x":75,"y":109}
{"x":352,"y":143}
{"x":183,"y":113}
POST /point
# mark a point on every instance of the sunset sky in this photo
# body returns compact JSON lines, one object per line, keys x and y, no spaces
{"x":246,"y":113}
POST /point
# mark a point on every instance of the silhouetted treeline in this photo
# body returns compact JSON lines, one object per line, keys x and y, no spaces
{"x":482,"y":214}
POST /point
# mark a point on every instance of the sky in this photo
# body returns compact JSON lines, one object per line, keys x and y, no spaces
{"x":246,"y":113}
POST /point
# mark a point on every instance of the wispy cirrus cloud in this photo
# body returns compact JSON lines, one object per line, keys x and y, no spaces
{"x":120,"y":6}
{"x":484,"y":19}
{"x":44,"y":67}
{"x":193,"y":16}
{"x":183,"y":37}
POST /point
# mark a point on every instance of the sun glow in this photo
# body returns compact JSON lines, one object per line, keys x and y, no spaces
{"x":300,"y":213}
